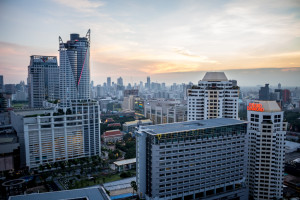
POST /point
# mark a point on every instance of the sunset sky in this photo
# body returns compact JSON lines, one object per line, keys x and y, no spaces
{"x":254,"y":42}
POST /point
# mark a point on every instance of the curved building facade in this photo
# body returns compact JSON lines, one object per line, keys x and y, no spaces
{"x":74,"y":77}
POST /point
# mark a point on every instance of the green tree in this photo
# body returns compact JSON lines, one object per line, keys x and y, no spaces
{"x":41,"y":168}
{"x":134,"y":187}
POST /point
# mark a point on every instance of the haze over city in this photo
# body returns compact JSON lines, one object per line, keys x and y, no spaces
{"x":172,"y":41}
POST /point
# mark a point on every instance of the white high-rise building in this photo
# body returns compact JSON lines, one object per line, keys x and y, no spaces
{"x":43,"y":81}
{"x":214,"y":97}
{"x":90,"y":110}
{"x":48,"y":136}
{"x":74,"y":74}
{"x":266,"y":150}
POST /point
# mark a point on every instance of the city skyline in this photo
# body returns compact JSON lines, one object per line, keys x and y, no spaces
{"x":169,"y":41}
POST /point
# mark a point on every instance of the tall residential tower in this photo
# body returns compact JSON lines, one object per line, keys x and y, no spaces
{"x":74,"y":75}
{"x":214,"y":97}
{"x":266,"y":150}
{"x":43,"y":81}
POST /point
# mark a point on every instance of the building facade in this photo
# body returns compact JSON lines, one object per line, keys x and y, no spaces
{"x":1,"y":84}
{"x":162,"y":111}
{"x":191,"y":160}
{"x":90,"y":110}
{"x":214,"y":97}
{"x":74,"y":74}
{"x":266,"y":153}
{"x":43,"y":80}
{"x":112,"y":136}
{"x":47,"y":136}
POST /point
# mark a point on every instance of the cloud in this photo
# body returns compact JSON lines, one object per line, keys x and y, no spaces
{"x":85,"y":6}
{"x":188,"y":53}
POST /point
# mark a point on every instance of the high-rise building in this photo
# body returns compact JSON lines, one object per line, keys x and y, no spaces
{"x":148,"y":82}
{"x":162,"y":111}
{"x":286,"y":96}
{"x":43,"y":80}
{"x":74,"y":73}
{"x":10,"y":89}
{"x":120,"y":81}
{"x":192,"y":160}
{"x":213,"y":97}
{"x":264,"y":93}
{"x":108,"y":82}
{"x":266,"y":150}
{"x":1,"y":84}
{"x":90,"y":111}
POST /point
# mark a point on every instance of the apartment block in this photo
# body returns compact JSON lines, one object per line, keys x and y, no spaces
{"x":266,"y":153}
{"x":214,"y":97}
{"x":203,"y":159}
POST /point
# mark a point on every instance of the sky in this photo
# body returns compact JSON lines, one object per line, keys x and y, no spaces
{"x":172,"y":41}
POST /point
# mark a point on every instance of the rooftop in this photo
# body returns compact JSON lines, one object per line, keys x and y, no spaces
{"x":80,"y":194}
{"x":190,"y":125}
{"x":215,"y":76}
{"x":120,"y":184}
{"x":136,"y":121}
{"x":33,"y":112}
{"x":112,"y":133}
{"x":269,"y":106}
{"x":125,"y":162}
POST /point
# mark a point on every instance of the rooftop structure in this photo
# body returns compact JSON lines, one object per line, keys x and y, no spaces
{"x":119,"y":187}
{"x":214,"y":77}
{"x":268,"y":106}
{"x":190,"y":126}
{"x":124,"y":165}
{"x":78,"y":194}
{"x":125,"y":162}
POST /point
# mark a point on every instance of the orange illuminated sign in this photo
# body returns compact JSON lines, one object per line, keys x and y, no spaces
{"x":255,"y":107}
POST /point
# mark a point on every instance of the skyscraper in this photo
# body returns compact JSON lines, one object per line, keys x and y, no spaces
{"x":264,"y":93}
{"x":1,"y":84}
{"x":120,"y":81}
{"x":213,"y":97}
{"x":148,"y":82}
{"x":266,"y":150}
{"x":74,"y":76}
{"x":43,"y":80}
{"x":192,"y":160}
{"x":108,"y":82}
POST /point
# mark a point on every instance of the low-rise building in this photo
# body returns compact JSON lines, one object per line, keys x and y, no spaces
{"x":112,"y":136}
{"x":124,"y":165}
{"x":9,"y":151}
